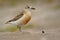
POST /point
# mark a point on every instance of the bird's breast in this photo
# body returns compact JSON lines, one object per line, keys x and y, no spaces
{"x":24,"y":20}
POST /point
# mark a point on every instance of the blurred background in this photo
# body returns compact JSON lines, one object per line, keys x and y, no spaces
{"x":46,"y":17}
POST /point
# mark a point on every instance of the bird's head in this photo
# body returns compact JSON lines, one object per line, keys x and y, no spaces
{"x":30,"y":7}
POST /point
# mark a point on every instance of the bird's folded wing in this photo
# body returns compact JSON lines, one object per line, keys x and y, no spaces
{"x":16,"y":17}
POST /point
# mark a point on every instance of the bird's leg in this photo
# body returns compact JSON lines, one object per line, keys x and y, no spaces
{"x":19,"y":27}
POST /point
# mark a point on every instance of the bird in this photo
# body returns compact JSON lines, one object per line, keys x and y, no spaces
{"x":22,"y":18}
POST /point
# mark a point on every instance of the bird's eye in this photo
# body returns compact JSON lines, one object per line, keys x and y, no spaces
{"x":28,"y":7}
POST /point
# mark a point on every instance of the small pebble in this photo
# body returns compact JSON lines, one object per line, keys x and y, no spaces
{"x":43,"y":32}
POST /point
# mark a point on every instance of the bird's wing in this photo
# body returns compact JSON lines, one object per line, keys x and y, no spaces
{"x":16,"y":17}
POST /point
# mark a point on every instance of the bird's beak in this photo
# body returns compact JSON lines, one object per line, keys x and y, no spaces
{"x":33,"y":8}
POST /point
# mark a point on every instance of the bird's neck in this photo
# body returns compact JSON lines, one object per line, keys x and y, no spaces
{"x":27,"y":12}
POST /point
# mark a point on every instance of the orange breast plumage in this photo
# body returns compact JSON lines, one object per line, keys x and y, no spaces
{"x":26,"y":19}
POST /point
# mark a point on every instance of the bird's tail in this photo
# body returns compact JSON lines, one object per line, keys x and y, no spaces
{"x":6,"y":22}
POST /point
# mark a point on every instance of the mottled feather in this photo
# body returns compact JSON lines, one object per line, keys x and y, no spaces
{"x":16,"y":17}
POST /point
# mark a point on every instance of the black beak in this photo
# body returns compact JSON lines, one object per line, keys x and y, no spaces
{"x":33,"y":8}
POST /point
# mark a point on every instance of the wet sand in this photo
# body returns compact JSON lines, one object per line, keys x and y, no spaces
{"x":44,"y":18}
